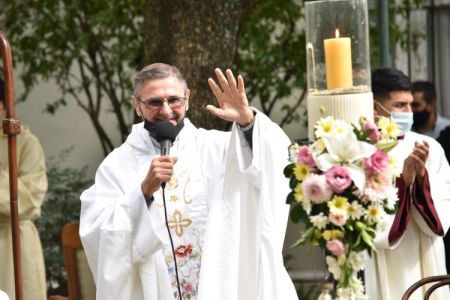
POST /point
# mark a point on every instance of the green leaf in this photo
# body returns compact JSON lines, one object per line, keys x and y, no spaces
{"x":386,"y":146}
{"x":368,"y":240}
{"x":298,"y":214}
{"x":293,"y":182}
{"x":290,"y":198}
{"x":289,"y":170}
{"x":305,"y":237}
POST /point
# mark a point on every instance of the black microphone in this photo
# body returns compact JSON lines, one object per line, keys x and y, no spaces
{"x":165,"y":133}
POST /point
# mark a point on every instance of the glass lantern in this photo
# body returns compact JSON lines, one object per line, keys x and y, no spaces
{"x":337,"y":47}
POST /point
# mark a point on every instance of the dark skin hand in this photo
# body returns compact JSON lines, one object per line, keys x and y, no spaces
{"x":414,"y":165}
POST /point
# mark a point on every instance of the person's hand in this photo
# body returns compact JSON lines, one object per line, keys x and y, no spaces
{"x":420,"y":153}
{"x":161,"y":170}
{"x":414,"y":165}
{"x":233,"y":103}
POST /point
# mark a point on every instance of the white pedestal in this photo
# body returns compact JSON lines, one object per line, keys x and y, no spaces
{"x":347,"y":107}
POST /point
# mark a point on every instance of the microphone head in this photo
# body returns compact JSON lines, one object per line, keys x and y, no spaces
{"x":165,"y":131}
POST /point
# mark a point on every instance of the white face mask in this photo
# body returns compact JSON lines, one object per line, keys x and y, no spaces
{"x":404,"y":120}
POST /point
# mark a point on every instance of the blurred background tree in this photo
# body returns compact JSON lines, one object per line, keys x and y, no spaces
{"x":91,"y":49}
{"x":61,"y":206}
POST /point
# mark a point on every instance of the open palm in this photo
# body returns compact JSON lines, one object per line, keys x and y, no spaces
{"x":231,"y":97}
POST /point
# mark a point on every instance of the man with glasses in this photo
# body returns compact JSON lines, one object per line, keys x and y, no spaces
{"x":224,"y":193}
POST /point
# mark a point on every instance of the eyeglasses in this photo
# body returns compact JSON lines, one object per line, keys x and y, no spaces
{"x":174,"y":102}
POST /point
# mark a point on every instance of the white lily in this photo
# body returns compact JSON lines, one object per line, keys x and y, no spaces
{"x":345,"y":149}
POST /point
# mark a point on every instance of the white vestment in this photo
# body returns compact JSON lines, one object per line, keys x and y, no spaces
{"x":419,"y":252}
{"x":245,"y":192}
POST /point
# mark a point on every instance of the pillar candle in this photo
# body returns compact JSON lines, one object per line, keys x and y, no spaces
{"x":338,"y":61}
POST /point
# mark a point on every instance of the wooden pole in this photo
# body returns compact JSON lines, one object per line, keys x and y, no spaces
{"x":11,"y":127}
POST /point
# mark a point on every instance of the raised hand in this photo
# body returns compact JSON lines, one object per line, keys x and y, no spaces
{"x":231,"y":97}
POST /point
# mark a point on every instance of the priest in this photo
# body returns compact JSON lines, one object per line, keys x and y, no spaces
{"x":411,"y":247}
{"x":223,"y":198}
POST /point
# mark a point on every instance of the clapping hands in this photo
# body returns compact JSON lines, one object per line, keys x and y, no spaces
{"x":414,"y":165}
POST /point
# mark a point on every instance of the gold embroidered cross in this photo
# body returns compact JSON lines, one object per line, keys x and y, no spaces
{"x":178,"y":222}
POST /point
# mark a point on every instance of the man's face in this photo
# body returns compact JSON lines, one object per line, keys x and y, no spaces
{"x":398,"y":101}
{"x":164,"y":89}
{"x":2,"y":111}
{"x":419,"y":104}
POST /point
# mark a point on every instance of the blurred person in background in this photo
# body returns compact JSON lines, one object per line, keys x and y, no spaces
{"x":426,"y":119}
{"x":32,"y":186}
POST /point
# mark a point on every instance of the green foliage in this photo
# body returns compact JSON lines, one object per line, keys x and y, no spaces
{"x":271,"y":57}
{"x":61,"y":206}
{"x":89,"y":48}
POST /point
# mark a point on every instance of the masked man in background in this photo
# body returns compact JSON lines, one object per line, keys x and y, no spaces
{"x":426,"y":119}
{"x":224,"y":193}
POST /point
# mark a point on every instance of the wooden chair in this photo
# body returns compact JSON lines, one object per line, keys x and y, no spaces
{"x":438,"y":281}
{"x":80,"y":282}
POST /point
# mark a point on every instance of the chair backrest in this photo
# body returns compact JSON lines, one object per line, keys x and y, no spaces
{"x":80,"y":281}
{"x":438,"y":281}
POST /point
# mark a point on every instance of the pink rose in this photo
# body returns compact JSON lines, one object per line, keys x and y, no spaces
{"x":337,"y":218}
{"x":377,"y":162}
{"x":338,"y":178}
{"x":305,"y":157}
{"x":374,"y":134}
{"x":336,"y":247}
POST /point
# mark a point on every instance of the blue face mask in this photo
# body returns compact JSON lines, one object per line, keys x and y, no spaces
{"x":404,"y":120}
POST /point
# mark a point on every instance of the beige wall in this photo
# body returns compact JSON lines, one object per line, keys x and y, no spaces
{"x":68,"y":127}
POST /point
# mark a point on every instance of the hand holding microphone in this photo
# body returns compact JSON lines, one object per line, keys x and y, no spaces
{"x":161,"y":168}
{"x":160,"y":172}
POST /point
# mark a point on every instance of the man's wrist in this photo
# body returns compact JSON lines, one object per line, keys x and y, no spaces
{"x":250,"y":124}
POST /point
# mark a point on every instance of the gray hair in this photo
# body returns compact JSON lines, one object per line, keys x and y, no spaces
{"x":156,"y":71}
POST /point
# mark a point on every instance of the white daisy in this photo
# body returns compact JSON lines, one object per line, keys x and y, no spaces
{"x":355,"y":210}
{"x":320,"y":221}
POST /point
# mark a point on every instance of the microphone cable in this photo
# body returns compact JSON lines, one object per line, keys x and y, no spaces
{"x":163,"y":185}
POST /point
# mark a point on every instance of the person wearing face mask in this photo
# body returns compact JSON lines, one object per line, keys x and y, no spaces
{"x":410,"y":247}
{"x":426,"y":119}
{"x":32,"y":186}
{"x":224,"y":194}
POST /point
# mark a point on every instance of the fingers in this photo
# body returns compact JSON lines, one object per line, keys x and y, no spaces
{"x":227,"y":82}
{"x":161,"y":168}
{"x":215,"y":88}
{"x":231,"y":81}
{"x":421,"y":151}
{"x":241,"y":86}
{"x":216,"y":111}
{"x":222,"y":80}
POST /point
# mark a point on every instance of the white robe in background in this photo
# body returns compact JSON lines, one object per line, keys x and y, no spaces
{"x":419,"y":252}
{"x":245,"y":192}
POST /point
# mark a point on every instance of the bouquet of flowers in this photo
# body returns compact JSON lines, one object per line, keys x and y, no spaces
{"x":342,"y":186}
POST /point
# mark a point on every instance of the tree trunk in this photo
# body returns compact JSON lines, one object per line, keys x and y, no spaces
{"x":195,"y":36}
